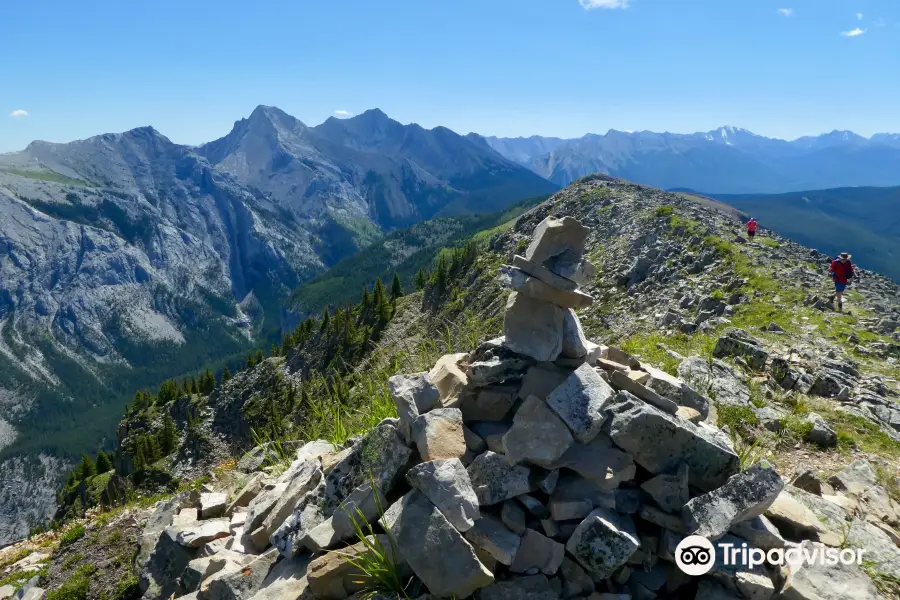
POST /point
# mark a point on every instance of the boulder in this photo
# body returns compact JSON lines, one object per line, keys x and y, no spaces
{"x":538,"y":552}
{"x":820,"y":432}
{"x":491,"y":433}
{"x":260,"y":507}
{"x":159,"y":573}
{"x":599,"y":462}
{"x":716,"y":379}
{"x":737,"y":343}
{"x":659,"y":442}
{"x":553,"y":237}
{"x":495,"y":479}
{"x":492,"y":536}
{"x":304,"y":480}
{"x":603,"y":542}
{"x":333,"y":576}
{"x":448,"y":377}
{"x":490,"y":403}
{"x":244,"y":583}
{"x":254,"y":486}
{"x":437,"y":553}
{"x":744,"y":496}
{"x":213,"y":505}
{"x":827,"y":582}
{"x":537,"y":435}
{"x":439,"y":434}
{"x":760,"y":532}
{"x":446,"y":484}
{"x":541,"y":379}
{"x":669,"y":490}
{"x":513,"y":517}
{"x":286,"y":581}
{"x":413,"y":395}
{"x":197,"y":535}
{"x":574,"y":343}
{"x":794,"y":519}
{"x":855,"y":480}
{"x":580,"y":400}
{"x":533,"y":327}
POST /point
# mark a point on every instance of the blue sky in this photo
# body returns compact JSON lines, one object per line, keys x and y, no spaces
{"x":783,"y":68}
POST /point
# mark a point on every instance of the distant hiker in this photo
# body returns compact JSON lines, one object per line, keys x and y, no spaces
{"x":841,"y":270}
{"x":751,"y":227}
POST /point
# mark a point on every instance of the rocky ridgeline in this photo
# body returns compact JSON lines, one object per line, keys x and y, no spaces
{"x":539,"y":465}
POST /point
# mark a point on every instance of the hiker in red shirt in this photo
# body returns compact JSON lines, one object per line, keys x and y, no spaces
{"x":751,"y":227}
{"x":841,"y":270}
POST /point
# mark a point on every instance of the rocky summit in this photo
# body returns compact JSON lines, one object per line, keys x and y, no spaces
{"x":623,"y":371}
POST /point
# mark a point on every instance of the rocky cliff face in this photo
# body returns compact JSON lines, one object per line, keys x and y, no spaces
{"x":126,"y":258}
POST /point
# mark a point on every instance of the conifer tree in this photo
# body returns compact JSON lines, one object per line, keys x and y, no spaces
{"x":366,"y":303}
{"x":441,"y":274}
{"x":226,"y":374}
{"x":104,"y":464}
{"x":421,"y":279}
{"x":168,"y":436}
{"x":326,"y":320}
{"x":396,"y":288}
{"x":382,"y":305}
{"x":88,"y":469}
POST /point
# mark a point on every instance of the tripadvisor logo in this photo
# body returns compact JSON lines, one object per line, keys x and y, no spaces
{"x":696,"y":555}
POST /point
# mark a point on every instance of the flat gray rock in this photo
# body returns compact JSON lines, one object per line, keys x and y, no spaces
{"x":439,"y":434}
{"x":492,"y":536}
{"x":539,"y":552}
{"x":659,"y":442}
{"x":437,"y":553}
{"x":446,"y":484}
{"x":744,"y":496}
{"x":413,"y":395}
{"x":537,"y":435}
{"x":533,"y":327}
{"x":837,"y":582}
{"x":580,"y":400}
{"x":669,"y":490}
{"x":532,"y":587}
{"x":599,"y":462}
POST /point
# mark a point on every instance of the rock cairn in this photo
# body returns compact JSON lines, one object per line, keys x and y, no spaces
{"x":540,"y":465}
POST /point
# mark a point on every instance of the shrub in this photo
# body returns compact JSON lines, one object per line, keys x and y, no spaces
{"x":664,"y":211}
{"x":72,"y":535}
{"x":76,"y":587}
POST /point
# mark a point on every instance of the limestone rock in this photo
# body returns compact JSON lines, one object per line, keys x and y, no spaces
{"x":307,"y":478}
{"x":243,"y":583}
{"x":533,"y":327}
{"x":251,"y":490}
{"x":660,"y":443}
{"x":333,"y":576}
{"x":413,"y":395}
{"x":436,"y":552}
{"x":553,"y":237}
{"x":580,"y":400}
{"x":212,"y":505}
{"x":546,"y":275}
{"x":599,"y":462}
{"x":760,"y":532}
{"x":439,"y":434}
{"x":826,"y":582}
{"x":490,"y":403}
{"x":492,"y":536}
{"x":159,"y":572}
{"x":669,"y":490}
{"x":538,"y":552}
{"x":574,"y":343}
{"x":603,"y":542}
{"x":448,"y":377}
{"x":623,"y":381}
{"x":541,"y":379}
{"x":744,"y":496}
{"x":260,"y":507}
{"x":537,"y":435}
{"x":820,"y":433}
{"x":203,"y":532}
{"x":737,"y":343}
{"x":856,"y":479}
{"x":446,"y":484}
{"x":495,"y":479}
{"x":537,"y":289}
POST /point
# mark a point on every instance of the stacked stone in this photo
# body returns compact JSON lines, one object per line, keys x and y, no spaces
{"x":539,"y":465}
{"x":540,"y":319}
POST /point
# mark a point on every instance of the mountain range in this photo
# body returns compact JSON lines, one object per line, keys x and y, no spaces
{"x":727,"y":160}
{"x":126,"y":258}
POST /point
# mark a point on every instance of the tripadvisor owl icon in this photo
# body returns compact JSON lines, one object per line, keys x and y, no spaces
{"x":695,"y":555}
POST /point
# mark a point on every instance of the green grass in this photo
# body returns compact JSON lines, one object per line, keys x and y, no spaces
{"x":72,"y":535}
{"x":769,"y":242}
{"x":71,"y":560}
{"x":647,"y":347}
{"x":16,"y":579}
{"x":46,"y":175}
{"x":76,"y":587}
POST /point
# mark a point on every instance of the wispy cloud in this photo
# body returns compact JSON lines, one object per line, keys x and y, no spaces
{"x":880,"y":22}
{"x":787,"y":12}
{"x":17,"y":114}
{"x":592,"y":4}
{"x":853,"y":32}
{"x":342,"y":113}
{"x":859,"y":16}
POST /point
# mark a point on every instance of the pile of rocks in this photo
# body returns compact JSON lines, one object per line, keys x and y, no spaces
{"x":540,"y":465}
